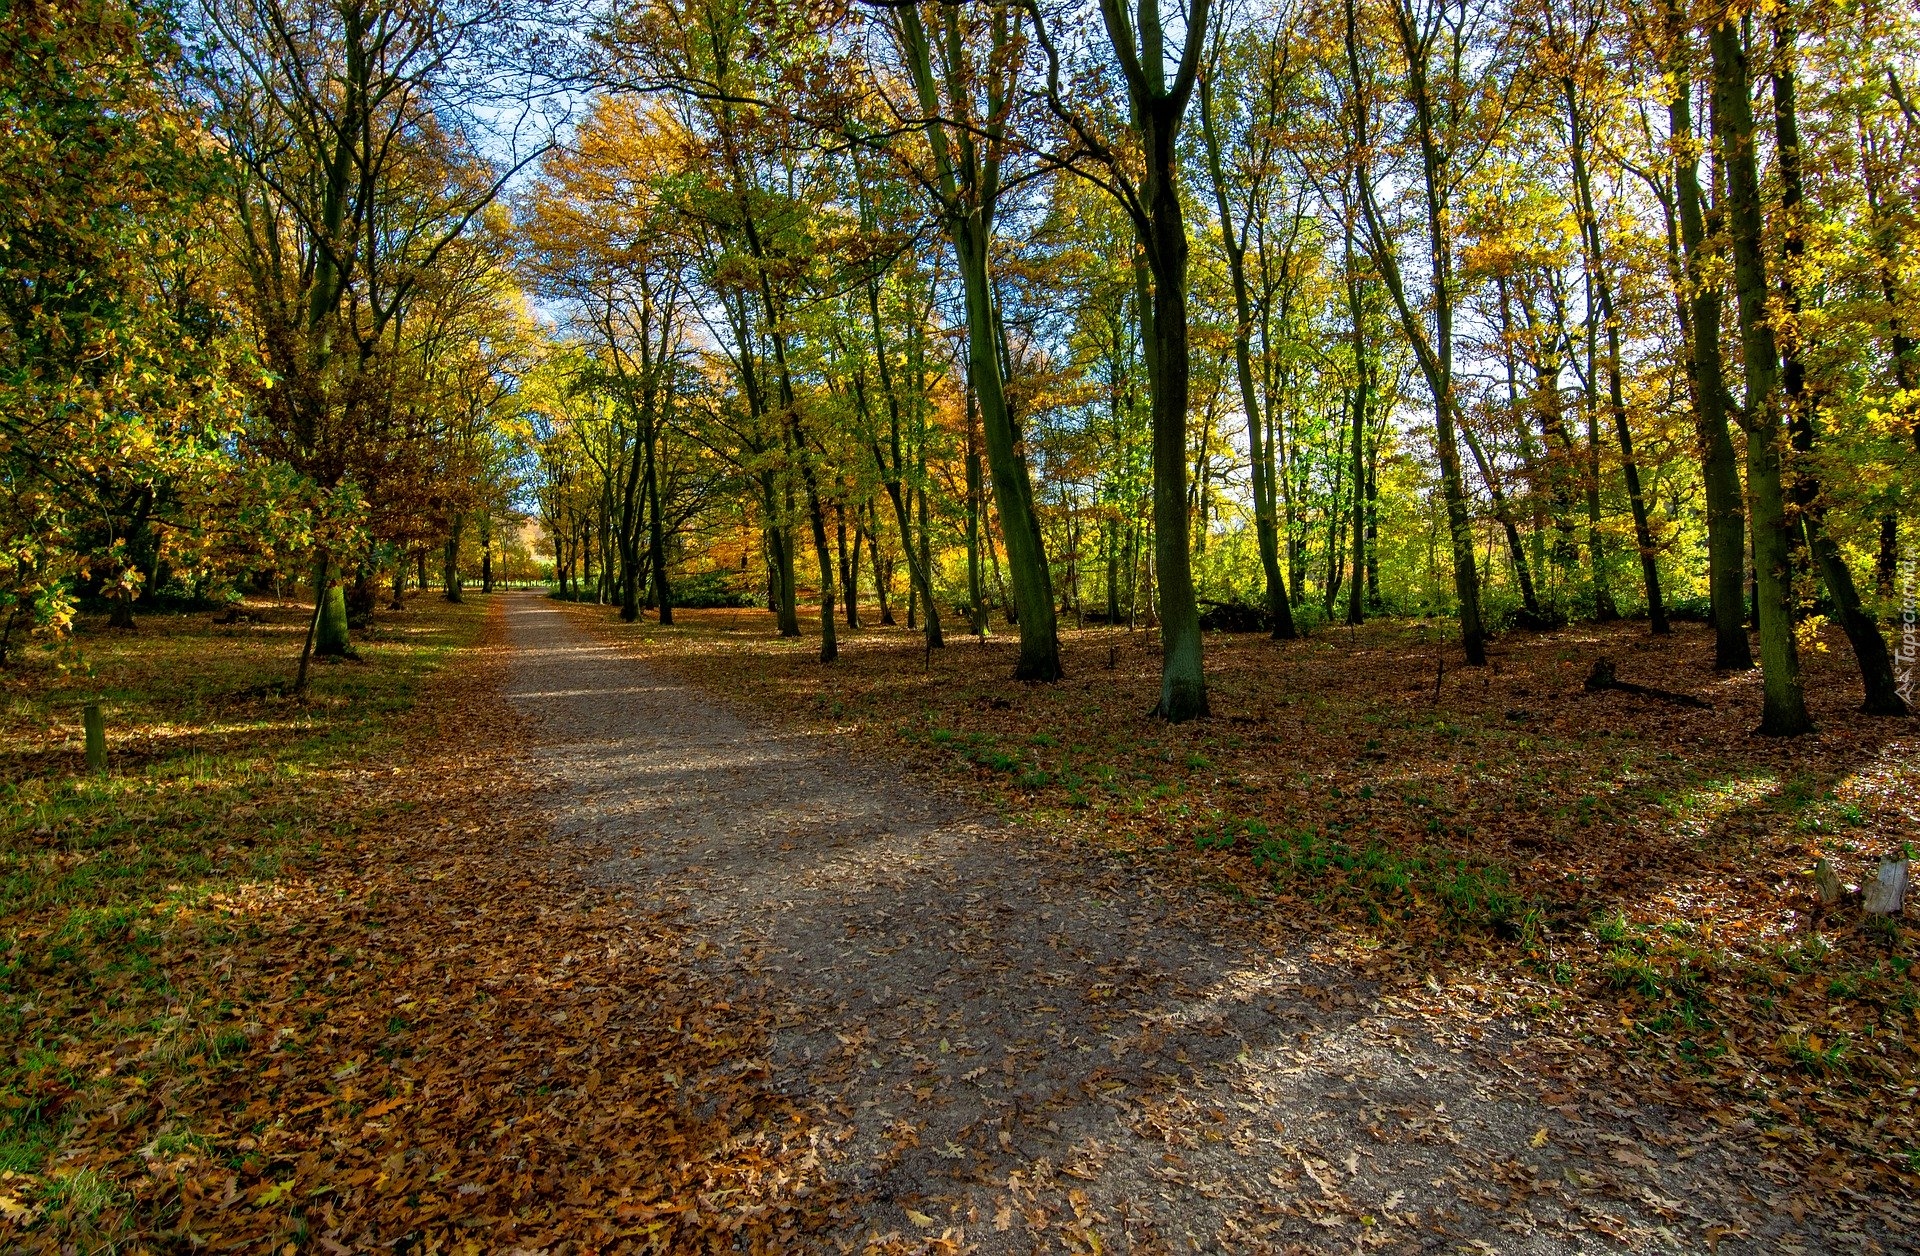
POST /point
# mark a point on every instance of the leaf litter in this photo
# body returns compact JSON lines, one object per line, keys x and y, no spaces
{"x":1597,"y":904}
{"x":762,"y":989}
{"x":432,"y":1034}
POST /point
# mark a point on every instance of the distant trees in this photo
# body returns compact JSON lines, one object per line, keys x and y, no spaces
{"x":365,"y":263}
{"x":258,"y":308}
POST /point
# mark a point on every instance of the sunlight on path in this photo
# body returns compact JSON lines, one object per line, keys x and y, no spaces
{"x":1015,"y":1048}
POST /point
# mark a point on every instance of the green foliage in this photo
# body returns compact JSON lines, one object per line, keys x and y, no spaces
{"x":714,"y":589}
{"x":112,"y":398}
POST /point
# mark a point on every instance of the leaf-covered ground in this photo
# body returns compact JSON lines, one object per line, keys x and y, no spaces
{"x":339,"y":974}
{"x":1631,"y":875}
{"x":308,"y":974}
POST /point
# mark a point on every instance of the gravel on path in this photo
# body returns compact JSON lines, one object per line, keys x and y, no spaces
{"x":1009,"y":1045}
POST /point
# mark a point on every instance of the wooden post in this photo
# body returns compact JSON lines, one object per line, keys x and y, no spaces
{"x":96,"y":725}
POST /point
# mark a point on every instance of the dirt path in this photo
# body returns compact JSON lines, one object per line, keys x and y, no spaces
{"x":1011,"y":1047}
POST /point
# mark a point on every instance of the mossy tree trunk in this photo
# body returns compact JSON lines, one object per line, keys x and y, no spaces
{"x":1784,"y":709}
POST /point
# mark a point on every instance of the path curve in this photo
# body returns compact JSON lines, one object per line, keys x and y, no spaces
{"x":1011,"y":1045}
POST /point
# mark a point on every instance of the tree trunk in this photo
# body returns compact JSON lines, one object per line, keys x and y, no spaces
{"x":1435,"y":355}
{"x":882,"y":582}
{"x":450,"y":562}
{"x":656,"y":531}
{"x":1603,"y":608}
{"x":1888,"y":560}
{"x":849,"y":565}
{"x":1373,"y":530}
{"x":1887,"y":248}
{"x":1362,"y":390}
{"x":1027,"y":566}
{"x":1266,"y":528}
{"x":1503,"y":512}
{"x":969,"y":182}
{"x":1785,"y":707}
{"x":331,"y":639}
{"x":786,"y":606}
{"x":976,"y":593}
{"x":1113,"y":546}
{"x":892,"y":467}
{"x":1700,"y":305}
{"x":1601,"y":286}
{"x":817,"y":519}
{"x":926,"y":547}
{"x":320,"y":584}
{"x":1183,"y":682}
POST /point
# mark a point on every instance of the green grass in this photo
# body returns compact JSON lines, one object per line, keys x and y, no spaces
{"x":1379,"y":879}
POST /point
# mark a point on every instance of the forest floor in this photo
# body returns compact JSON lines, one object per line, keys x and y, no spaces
{"x":306,"y":975}
{"x":534,"y":930}
{"x":1380,"y":954}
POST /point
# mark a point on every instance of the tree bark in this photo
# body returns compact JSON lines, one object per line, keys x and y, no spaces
{"x":1160,"y":228}
{"x":1602,"y":287}
{"x":976,"y":594}
{"x":450,"y":561}
{"x":320,"y":583}
{"x":656,"y":529}
{"x":1435,"y":355}
{"x":1362,"y":393}
{"x":968,"y":180}
{"x":892,"y":466}
{"x":1234,"y":244}
{"x":881,"y":572}
{"x":1784,"y":712}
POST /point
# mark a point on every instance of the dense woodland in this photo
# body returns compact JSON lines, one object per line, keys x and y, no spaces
{"x":984,"y":317}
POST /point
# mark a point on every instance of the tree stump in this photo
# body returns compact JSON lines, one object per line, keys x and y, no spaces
{"x":1605,"y":676}
{"x":1888,"y":892}
{"x":1827,"y":881}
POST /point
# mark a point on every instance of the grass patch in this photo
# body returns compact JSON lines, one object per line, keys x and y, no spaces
{"x":1378,"y":879}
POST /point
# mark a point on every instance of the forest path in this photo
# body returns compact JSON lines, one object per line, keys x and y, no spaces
{"x":1009,"y":1045}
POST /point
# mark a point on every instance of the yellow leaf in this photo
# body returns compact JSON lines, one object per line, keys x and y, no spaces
{"x":274,"y":1194}
{"x":1540,"y":1139}
{"x":920,"y":1218}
